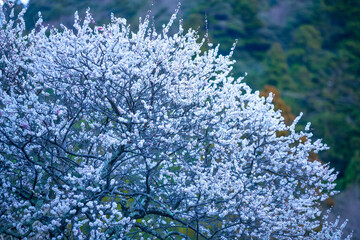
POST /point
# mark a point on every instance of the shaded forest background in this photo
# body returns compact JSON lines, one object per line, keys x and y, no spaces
{"x":307,"y":51}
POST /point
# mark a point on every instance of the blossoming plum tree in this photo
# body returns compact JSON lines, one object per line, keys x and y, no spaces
{"x":111,"y":134}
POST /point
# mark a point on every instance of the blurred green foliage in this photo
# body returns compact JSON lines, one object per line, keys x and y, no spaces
{"x":276,"y":68}
{"x":62,"y":11}
{"x":309,"y":50}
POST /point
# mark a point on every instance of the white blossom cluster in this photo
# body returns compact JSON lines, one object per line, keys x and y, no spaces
{"x":111,"y":134}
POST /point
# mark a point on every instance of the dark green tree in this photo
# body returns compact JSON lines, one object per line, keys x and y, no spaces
{"x":277,"y":69}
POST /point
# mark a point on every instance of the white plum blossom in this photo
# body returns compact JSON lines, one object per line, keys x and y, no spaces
{"x":107,"y":133}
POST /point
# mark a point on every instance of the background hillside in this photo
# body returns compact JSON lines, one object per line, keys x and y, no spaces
{"x":309,"y":50}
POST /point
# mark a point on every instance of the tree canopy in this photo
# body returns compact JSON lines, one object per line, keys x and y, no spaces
{"x":107,"y":133}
